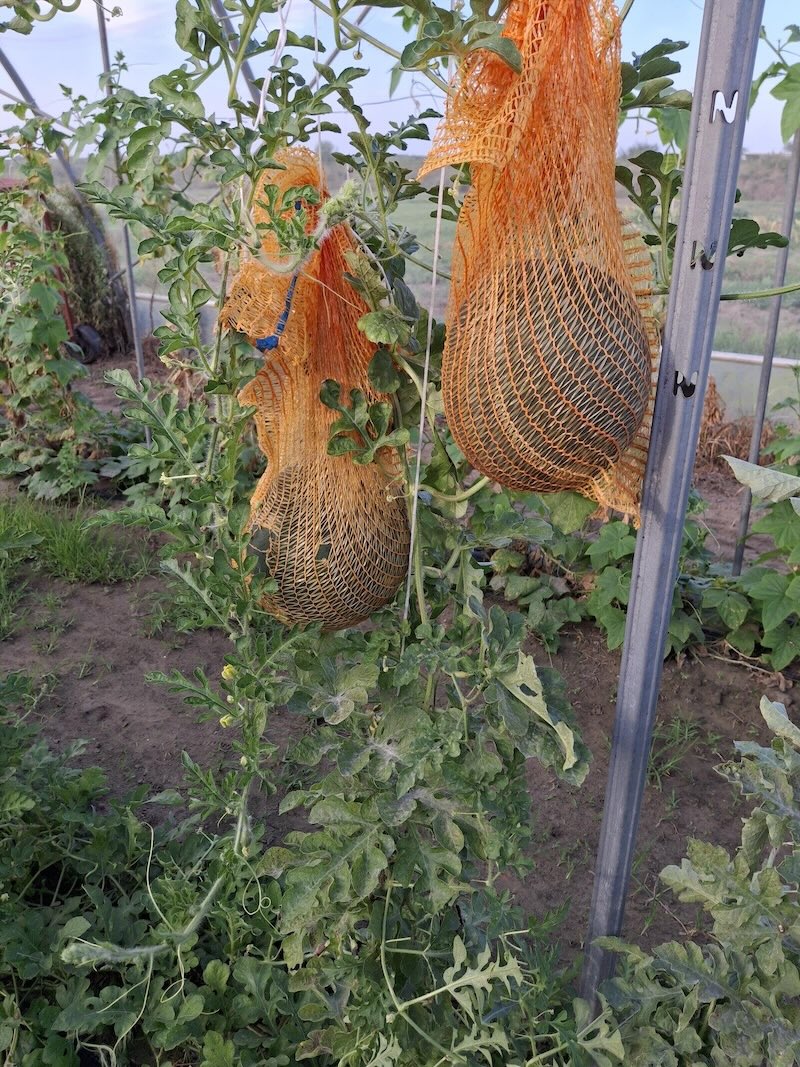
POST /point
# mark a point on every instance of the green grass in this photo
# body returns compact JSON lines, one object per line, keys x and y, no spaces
{"x":672,"y":742}
{"x":12,"y":590}
{"x":63,"y":543}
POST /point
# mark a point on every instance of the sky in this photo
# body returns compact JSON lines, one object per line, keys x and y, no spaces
{"x":66,"y":51}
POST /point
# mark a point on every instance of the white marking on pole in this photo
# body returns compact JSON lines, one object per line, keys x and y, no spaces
{"x":720,"y":106}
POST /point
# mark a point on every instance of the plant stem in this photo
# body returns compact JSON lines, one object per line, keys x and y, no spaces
{"x":241,"y":53}
{"x":426,"y":266}
{"x":400,"y":1008}
{"x":544,"y":1056}
{"x":454,"y":557}
{"x":663,"y":234}
{"x":416,"y":561}
{"x":457,"y":498}
{"x":357,"y":31}
{"x":410,"y":372}
{"x":762,"y":294}
{"x":215,"y":361}
{"x":418,"y":582}
{"x":626,"y":8}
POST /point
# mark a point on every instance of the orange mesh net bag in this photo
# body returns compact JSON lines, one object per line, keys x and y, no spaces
{"x":549,"y":367}
{"x":333,"y":534}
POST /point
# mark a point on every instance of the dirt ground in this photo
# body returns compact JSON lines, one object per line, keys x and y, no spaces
{"x":705,"y":705}
{"x":91,"y":647}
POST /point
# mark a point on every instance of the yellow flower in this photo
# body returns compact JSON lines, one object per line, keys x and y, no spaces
{"x":228,"y":672}
{"x":226,"y":720}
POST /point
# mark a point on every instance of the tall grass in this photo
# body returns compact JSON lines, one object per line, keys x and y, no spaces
{"x":61,"y":542}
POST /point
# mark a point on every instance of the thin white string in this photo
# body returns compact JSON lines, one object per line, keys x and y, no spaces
{"x":428,"y":344}
{"x":283,"y":14}
{"x":319,"y":121}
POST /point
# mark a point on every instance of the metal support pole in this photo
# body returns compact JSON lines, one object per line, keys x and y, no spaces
{"x":247,"y":70}
{"x":126,"y":240}
{"x":792,"y":180}
{"x":88,"y":218}
{"x":25,"y":93}
{"x":722,"y":86}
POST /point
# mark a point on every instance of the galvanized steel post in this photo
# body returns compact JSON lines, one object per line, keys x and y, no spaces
{"x":725,"y":66}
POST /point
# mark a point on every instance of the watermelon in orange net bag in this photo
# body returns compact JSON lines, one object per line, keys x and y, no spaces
{"x":549,"y":368}
{"x":332,"y":533}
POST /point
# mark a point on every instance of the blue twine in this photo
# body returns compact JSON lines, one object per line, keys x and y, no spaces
{"x":267,"y":344}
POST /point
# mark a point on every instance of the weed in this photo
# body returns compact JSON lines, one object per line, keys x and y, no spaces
{"x":51,"y":602}
{"x":671,"y":804}
{"x":12,"y":590}
{"x":68,"y":546}
{"x":48,"y":611}
{"x":571,"y":855}
{"x":650,"y":898}
{"x":672,"y":742}
{"x":87,"y":665}
{"x":47,"y":644}
{"x":640,"y":859}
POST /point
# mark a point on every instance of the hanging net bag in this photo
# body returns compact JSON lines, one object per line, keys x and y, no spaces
{"x":549,"y":367}
{"x":333,"y":534}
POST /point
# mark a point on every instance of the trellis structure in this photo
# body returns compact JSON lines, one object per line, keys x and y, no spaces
{"x":126,"y":237}
{"x":91,"y":226}
{"x":726,"y":59}
{"x":729,"y":38}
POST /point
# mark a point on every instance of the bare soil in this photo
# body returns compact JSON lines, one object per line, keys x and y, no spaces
{"x":91,"y":648}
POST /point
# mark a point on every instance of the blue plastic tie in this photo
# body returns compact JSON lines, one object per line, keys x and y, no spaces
{"x":267,"y":344}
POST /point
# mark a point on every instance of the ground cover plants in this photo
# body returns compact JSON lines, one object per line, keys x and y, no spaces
{"x":52,"y":436}
{"x":586,"y":573}
{"x":376,"y":930}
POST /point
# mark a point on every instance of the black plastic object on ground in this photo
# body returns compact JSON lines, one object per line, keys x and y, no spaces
{"x":89,"y":343}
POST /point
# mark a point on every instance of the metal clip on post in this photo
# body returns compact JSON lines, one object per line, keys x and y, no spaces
{"x":724,"y":73}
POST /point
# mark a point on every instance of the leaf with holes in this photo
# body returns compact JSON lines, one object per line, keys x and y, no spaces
{"x":524,"y":685}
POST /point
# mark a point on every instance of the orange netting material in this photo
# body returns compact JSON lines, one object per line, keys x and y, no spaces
{"x":333,"y":534}
{"x":549,"y":367}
